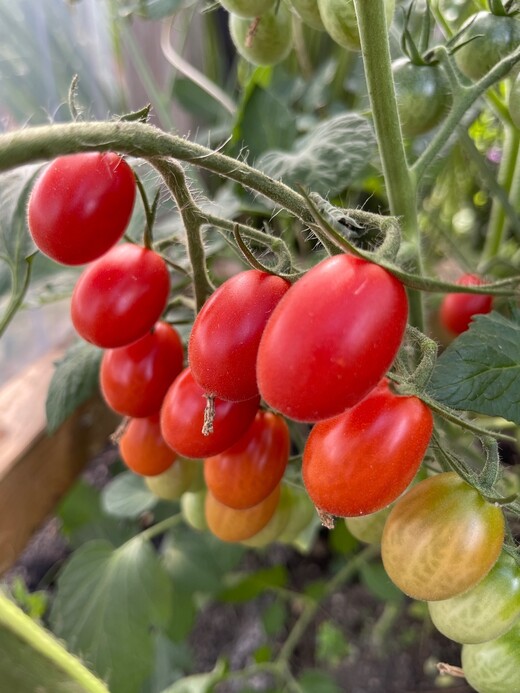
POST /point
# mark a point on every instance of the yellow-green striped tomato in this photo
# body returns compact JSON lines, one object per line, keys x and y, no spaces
{"x":340,"y":21}
{"x":171,"y":484}
{"x":192,"y":508}
{"x":494,"y":666}
{"x":441,"y":538}
{"x":301,"y":514}
{"x":276,"y":524}
{"x":485,"y":611}
{"x":266,"y":40}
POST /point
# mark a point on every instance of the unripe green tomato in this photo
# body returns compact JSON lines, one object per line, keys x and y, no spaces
{"x":368,"y":528}
{"x":423,"y":96}
{"x":171,"y":484}
{"x":247,"y":8}
{"x":309,"y":13}
{"x":493,"y":39}
{"x":301,"y":515}
{"x":276,"y":524}
{"x":340,"y":21}
{"x":494,"y":666}
{"x":514,"y":102}
{"x":267,"y":43}
{"x":485,"y":611}
{"x":192,"y":508}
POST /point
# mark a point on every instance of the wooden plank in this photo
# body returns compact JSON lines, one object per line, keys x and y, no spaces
{"x":36,"y":470}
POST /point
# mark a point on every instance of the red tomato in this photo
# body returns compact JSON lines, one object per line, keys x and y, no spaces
{"x":331,"y":338}
{"x":360,"y":461}
{"x":182,"y":418}
{"x":229,"y":524}
{"x":135,"y":378}
{"x":246,"y":473}
{"x":224,"y":340}
{"x":457,"y":309}
{"x":81,"y":205}
{"x":143,"y":449}
{"x":120,"y":297}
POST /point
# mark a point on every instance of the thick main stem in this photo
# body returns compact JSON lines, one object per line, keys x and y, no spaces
{"x":400,"y":183}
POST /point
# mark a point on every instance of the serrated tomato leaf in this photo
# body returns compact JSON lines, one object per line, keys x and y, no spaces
{"x":73,"y":382}
{"x":107,"y":605}
{"x":480,"y":370}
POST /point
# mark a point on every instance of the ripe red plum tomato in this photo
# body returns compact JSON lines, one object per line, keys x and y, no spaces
{"x":441,"y":538}
{"x":457,"y":310}
{"x":135,"y":378}
{"x":80,"y":206}
{"x":120,"y":297}
{"x":331,"y":338}
{"x":224,"y":340}
{"x":362,"y":460}
{"x":182,"y":419}
{"x":248,"y":471}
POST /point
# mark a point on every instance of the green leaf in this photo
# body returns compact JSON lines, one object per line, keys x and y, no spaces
{"x":274,"y":618}
{"x":172,"y":662}
{"x":375,"y":579}
{"x":197,"y":561}
{"x":108,"y":602}
{"x":264,"y":122}
{"x":183,"y":617}
{"x":480,"y":370}
{"x":200,"y":683}
{"x":16,"y":244}
{"x":331,"y":645}
{"x":127,"y":495}
{"x":254,"y":584}
{"x":316,"y":681}
{"x":341,"y":540}
{"x":31,"y":659}
{"x":74,"y":381}
{"x":197,"y":101}
{"x":34,"y":604}
{"x":262,"y":654}
{"x":327,"y":160}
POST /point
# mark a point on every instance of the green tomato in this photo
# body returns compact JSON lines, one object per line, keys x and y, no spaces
{"x":266,"y":40}
{"x":339,"y":18}
{"x":301,"y":514}
{"x":494,"y":666}
{"x":171,"y":484}
{"x":309,"y":13}
{"x":514,"y":102}
{"x":368,"y":528}
{"x":485,"y":611}
{"x":192,"y":508}
{"x":247,"y":8}
{"x":496,"y":37}
{"x":272,"y":530}
{"x":423,"y":96}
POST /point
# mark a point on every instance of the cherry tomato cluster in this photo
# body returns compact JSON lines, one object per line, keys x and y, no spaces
{"x":264,"y":353}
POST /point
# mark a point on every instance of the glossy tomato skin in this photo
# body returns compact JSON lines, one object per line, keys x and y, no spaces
{"x":182,"y":419}
{"x":270,"y":43}
{"x":80,"y":206}
{"x":135,"y":378}
{"x":174,"y":481}
{"x":120,"y":297}
{"x":484,"y":612}
{"x":232,"y":525}
{"x":457,"y":310}
{"x":441,"y":538}
{"x":248,"y":471}
{"x":224,"y":340}
{"x":339,"y":18}
{"x":143,"y":448}
{"x":360,"y":461}
{"x":331,"y":338}
{"x":494,"y":37}
{"x":423,"y":96}
{"x":494,"y":666}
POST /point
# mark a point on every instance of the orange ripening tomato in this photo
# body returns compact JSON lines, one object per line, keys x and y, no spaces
{"x":143,"y":448}
{"x":229,"y":524}
{"x":441,"y":538}
{"x":248,"y":471}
